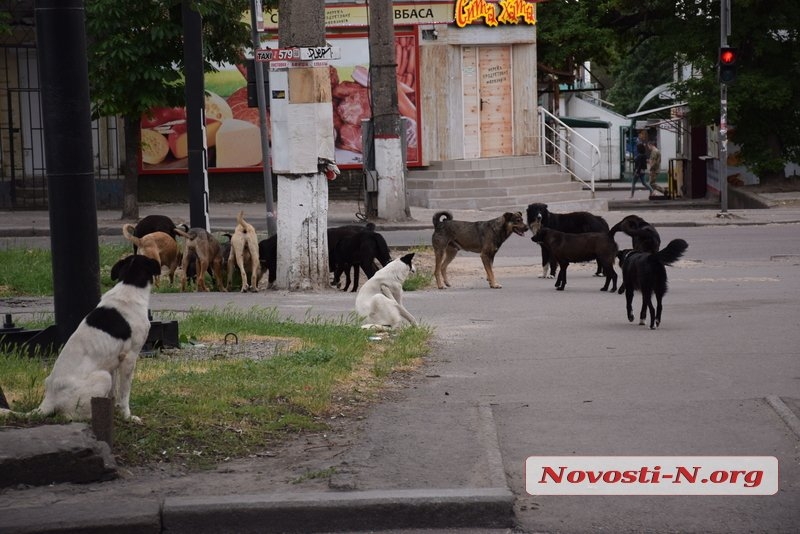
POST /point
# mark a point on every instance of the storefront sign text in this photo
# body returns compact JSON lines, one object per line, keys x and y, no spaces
{"x":510,"y":12}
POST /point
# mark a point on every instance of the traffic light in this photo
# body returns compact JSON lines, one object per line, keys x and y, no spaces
{"x":727,"y":64}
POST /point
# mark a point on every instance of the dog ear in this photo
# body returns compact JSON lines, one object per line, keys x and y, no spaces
{"x":119,"y":269}
{"x":407,"y":258}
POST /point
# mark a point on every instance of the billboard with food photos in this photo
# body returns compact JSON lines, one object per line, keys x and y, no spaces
{"x":232,"y":128}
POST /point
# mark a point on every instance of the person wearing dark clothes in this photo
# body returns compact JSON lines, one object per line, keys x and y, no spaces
{"x":639,"y":168}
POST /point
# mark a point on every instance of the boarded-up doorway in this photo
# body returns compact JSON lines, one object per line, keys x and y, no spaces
{"x":486,"y":78}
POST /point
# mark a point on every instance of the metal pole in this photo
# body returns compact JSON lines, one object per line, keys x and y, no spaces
{"x":255,"y":10}
{"x":66,"y":114}
{"x":195,"y":117}
{"x":724,"y":24}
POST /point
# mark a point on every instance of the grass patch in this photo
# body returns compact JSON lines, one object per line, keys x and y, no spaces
{"x":200,"y":409}
{"x":29,"y":271}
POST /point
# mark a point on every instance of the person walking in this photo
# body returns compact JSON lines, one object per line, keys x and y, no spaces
{"x":654,"y":166}
{"x":639,"y":168}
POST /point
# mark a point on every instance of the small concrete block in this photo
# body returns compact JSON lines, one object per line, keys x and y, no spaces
{"x":52,"y":454}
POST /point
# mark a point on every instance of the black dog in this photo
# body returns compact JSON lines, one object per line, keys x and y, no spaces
{"x":644,"y":235}
{"x":565,"y":248}
{"x":646,"y":272}
{"x":358,"y":252}
{"x":268,"y":258}
{"x":156,"y":223}
{"x":577,"y":222}
{"x":338,"y":233}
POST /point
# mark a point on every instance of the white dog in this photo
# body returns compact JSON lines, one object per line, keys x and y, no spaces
{"x":244,"y":238}
{"x":102,"y":352}
{"x":380,"y":299}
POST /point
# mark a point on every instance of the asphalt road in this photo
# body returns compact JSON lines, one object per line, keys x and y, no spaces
{"x":527,"y":370}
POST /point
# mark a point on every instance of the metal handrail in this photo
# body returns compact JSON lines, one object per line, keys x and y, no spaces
{"x":557,"y":147}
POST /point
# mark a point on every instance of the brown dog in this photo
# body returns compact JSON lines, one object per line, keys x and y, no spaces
{"x":208,"y":253}
{"x":159,"y":246}
{"x":483,"y":237}
{"x":565,"y":248}
{"x":244,"y":246}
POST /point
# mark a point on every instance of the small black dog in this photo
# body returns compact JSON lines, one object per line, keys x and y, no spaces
{"x":268,"y":258}
{"x":338,"y":233}
{"x":646,"y":272}
{"x":569,"y":248}
{"x":358,"y":252}
{"x":644,"y":235}
{"x":576,"y":222}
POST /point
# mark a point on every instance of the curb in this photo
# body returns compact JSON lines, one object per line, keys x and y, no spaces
{"x":301,"y":513}
{"x":330,"y":512}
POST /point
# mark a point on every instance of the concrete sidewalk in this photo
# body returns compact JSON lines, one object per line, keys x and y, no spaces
{"x":223,"y":215}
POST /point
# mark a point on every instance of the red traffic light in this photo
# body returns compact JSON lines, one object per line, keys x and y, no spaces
{"x":727,"y":56}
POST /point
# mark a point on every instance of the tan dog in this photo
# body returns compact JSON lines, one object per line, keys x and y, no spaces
{"x":159,"y":246}
{"x":208,"y":252}
{"x":244,"y":246}
{"x":482,"y":237}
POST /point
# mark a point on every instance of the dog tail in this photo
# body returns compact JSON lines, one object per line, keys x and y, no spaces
{"x":437,"y":218}
{"x":182,"y":233}
{"x":672,"y":252}
{"x":241,"y":222}
{"x":127,"y":231}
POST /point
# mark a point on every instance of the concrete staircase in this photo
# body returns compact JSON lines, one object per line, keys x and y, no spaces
{"x":496,"y":184}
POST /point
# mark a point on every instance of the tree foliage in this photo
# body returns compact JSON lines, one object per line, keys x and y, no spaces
{"x":136,"y":61}
{"x":641,"y":42}
{"x":136,"y":50}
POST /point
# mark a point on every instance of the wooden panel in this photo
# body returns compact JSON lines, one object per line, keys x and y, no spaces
{"x":309,"y":85}
{"x":495,"y":101}
{"x":525,"y":116}
{"x":472,"y":114}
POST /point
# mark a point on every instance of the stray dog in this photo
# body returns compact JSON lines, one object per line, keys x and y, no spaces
{"x":644,"y":235}
{"x":268,"y":256}
{"x":99,"y":358}
{"x":483,"y":237}
{"x":566,"y":248}
{"x":577,"y":222}
{"x":156,"y":223}
{"x":359,"y":252}
{"x":208,"y":253}
{"x":244,"y":239}
{"x":338,"y":233}
{"x":159,"y":246}
{"x":646,"y":272}
{"x":380,"y":299}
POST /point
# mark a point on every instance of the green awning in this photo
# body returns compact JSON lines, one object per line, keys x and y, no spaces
{"x":575,"y":122}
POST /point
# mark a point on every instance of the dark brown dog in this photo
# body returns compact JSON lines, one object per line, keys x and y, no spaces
{"x":576,"y":222}
{"x":565,"y":248}
{"x":209,"y":254}
{"x":482,"y":237}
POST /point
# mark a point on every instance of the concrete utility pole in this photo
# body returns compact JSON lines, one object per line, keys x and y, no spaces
{"x":302,"y":134}
{"x":387,"y":126}
{"x":64,"y":72}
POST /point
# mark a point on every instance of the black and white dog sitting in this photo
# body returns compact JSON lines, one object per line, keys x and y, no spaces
{"x":646,"y":272}
{"x":99,"y":358}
